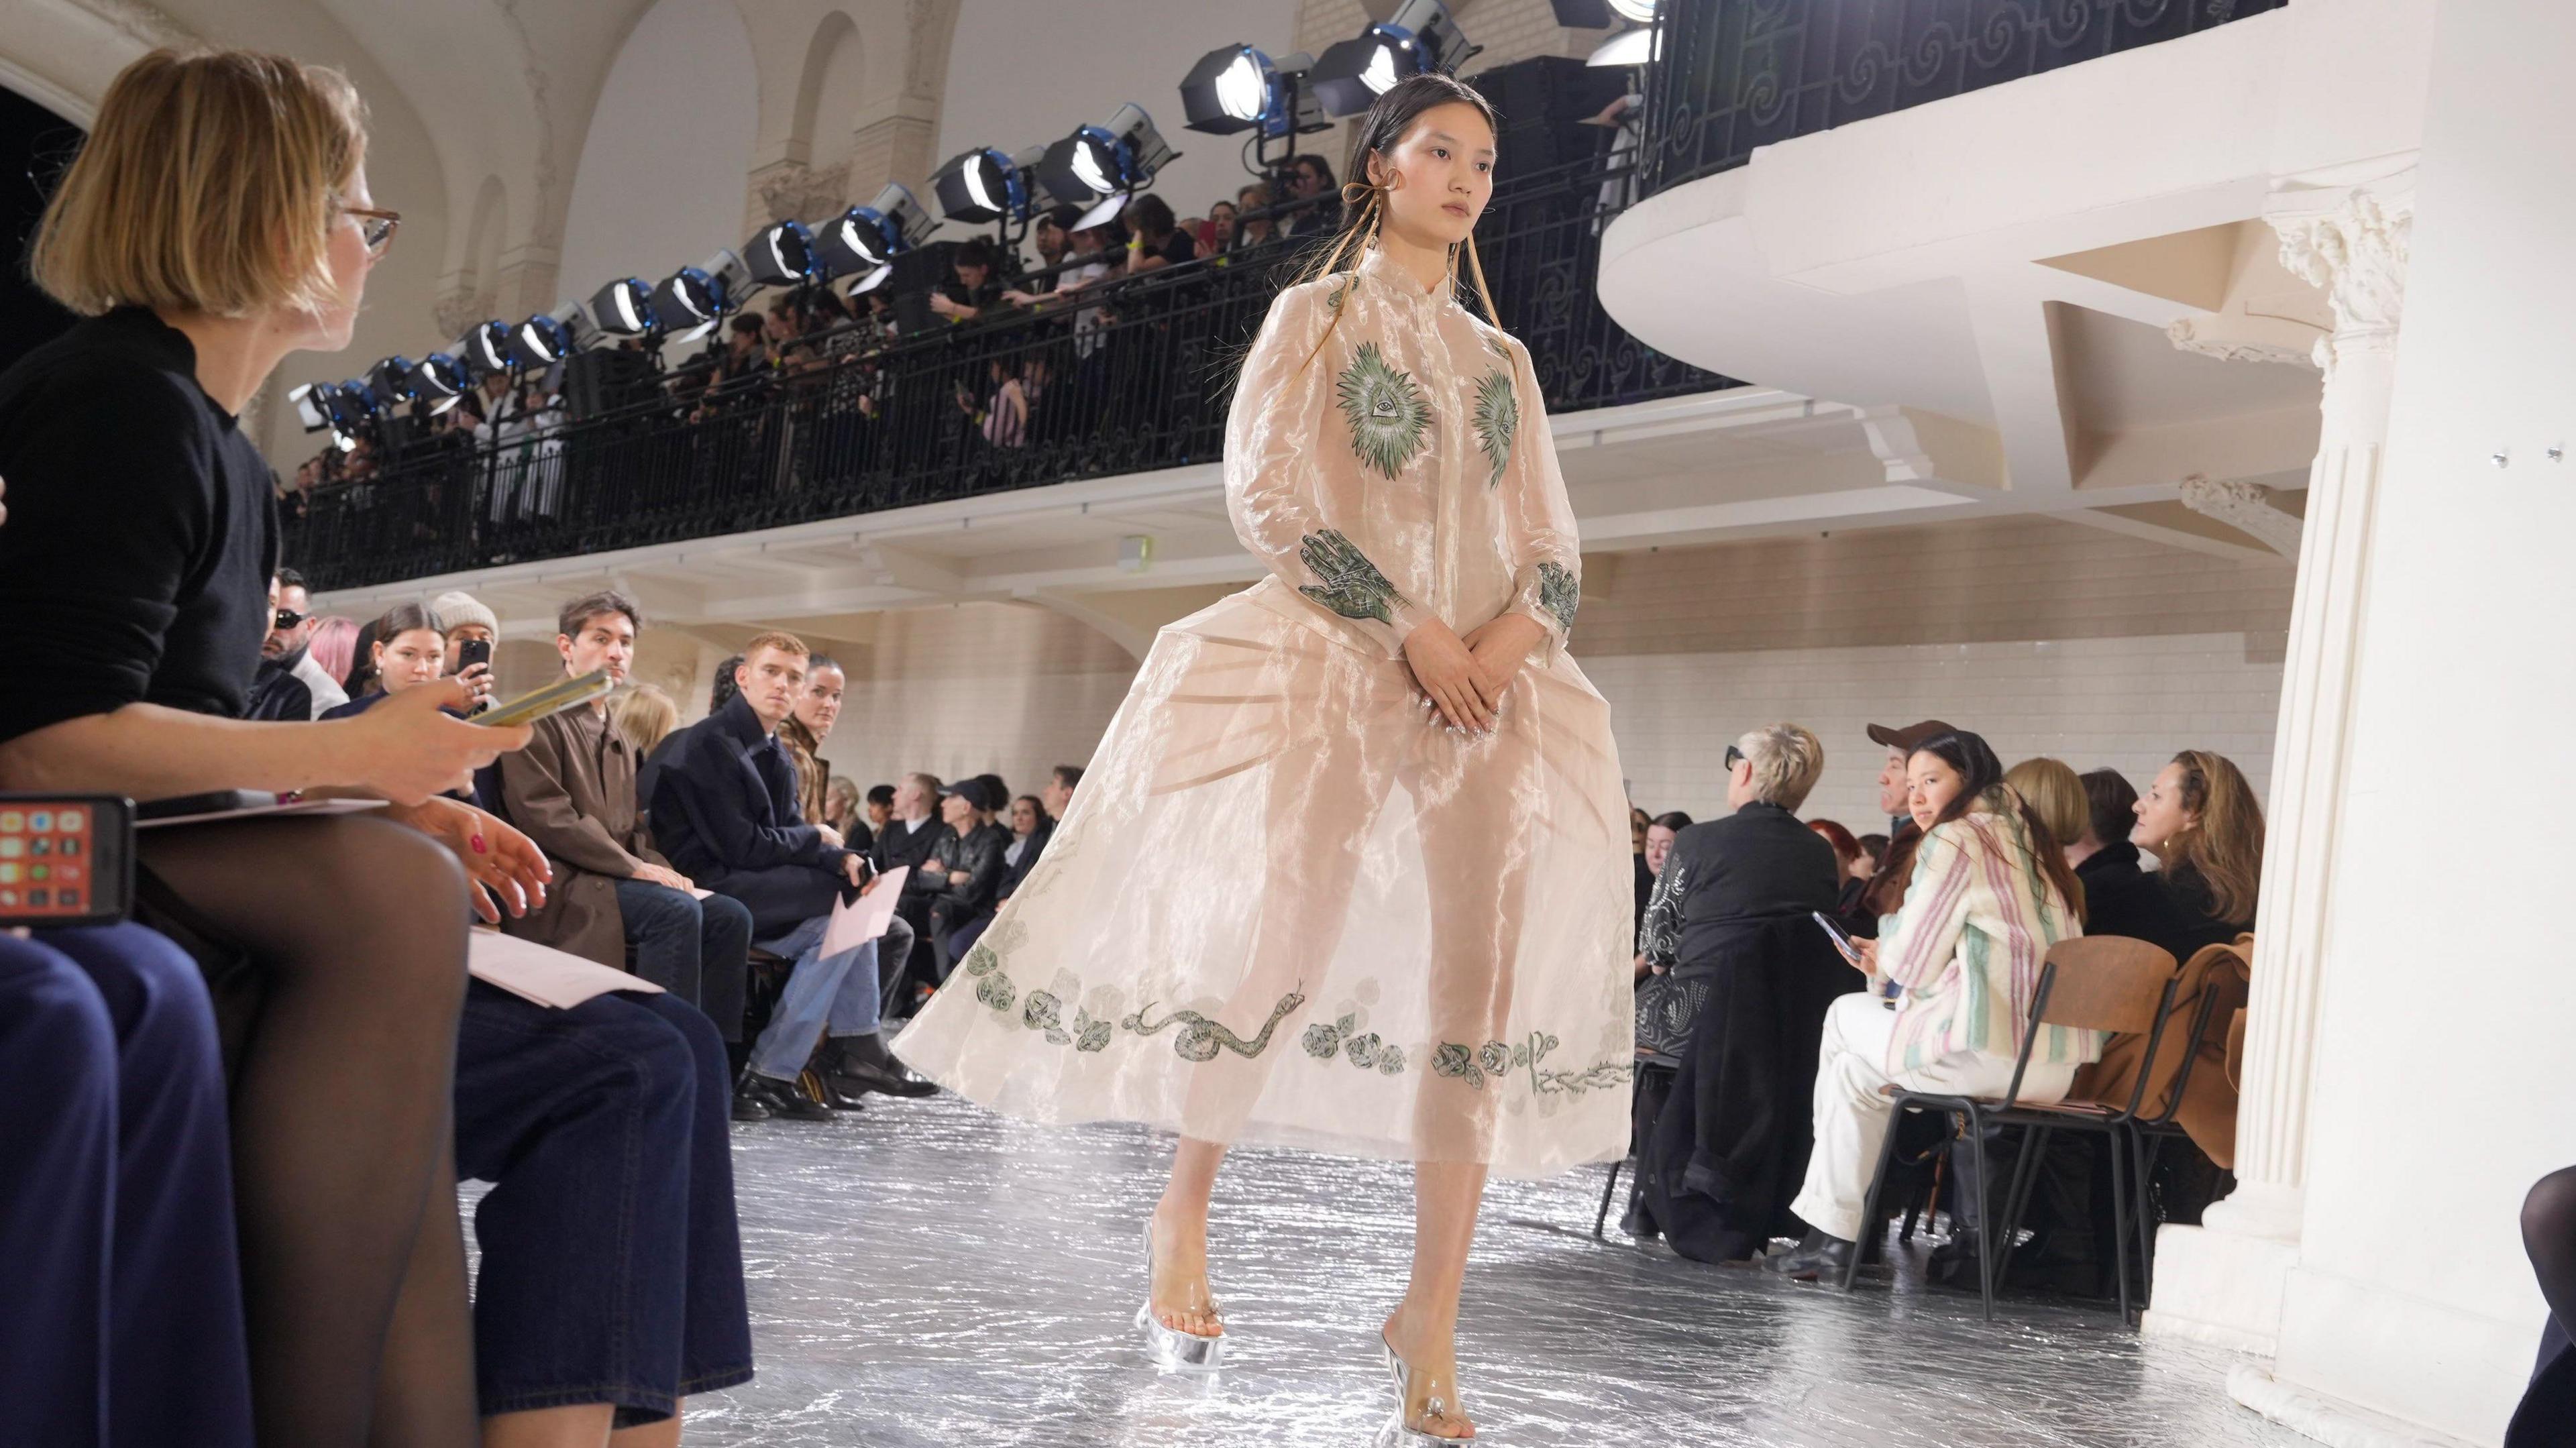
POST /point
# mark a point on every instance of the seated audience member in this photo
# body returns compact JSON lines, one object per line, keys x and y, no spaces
{"x":1252,"y":231}
{"x":466,"y":621}
{"x":572,"y":790}
{"x":118,"y":1265}
{"x":1885,"y":892}
{"x":646,"y":718}
{"x":361,"y":678}
{"x":1030,"y":830}
{"x":724,"y":811}
{"x":842,"y":809}
{"x":1846,"y":849}
{"x":911,"y":836}
{"x":291,"y":683}
{"x":2056,"y":799}
{"x":1319,"y":197}
{"x":1158,"y":241}
{"x":1660,"y":833}
{"x":1216,"y":234}
{"x":1731,"y":922}
{"x":818,"y":708}
{"x":965,"y":869}
{"x":334,"y":649}
{"x":1057,"y":796}
{"x":879,"y":808}
{"x":1965,"y":951}
{"x":723,"y":687}
{"x":2546,"y":1416}
{"x":1638,"y":823}
{"x":1872,"y":852}
{"x":2201,"y":821}
{"x":975,"y":283}
{"x":1848,"y":877}
{"x":410,"y":650}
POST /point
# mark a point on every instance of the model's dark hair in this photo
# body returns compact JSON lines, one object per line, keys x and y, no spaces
{"x":1982,"y":788}
{"x":1364,"y":200}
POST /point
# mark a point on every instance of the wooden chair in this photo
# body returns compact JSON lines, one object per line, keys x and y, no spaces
{"x":2098,"y":983}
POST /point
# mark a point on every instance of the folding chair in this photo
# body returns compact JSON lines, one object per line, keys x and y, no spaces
{"x":2222,"y":995}
{"x":2099,"y":983}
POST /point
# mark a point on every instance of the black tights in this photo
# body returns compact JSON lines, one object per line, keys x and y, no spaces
{"x":353,"y":1267}
{"x":2549,"y":1235}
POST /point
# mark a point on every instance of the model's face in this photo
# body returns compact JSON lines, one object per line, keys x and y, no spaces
{"x":1438,"y":175}
{"x":770,"y":680}
{"x":1891,"y":784}
{"x":606,"y":641}
{"x":415,"y":656}
{"x":2161,"y":815}
{"x":1659,"y":847}
{"x":818,"y":707}
{"x":1930,"y":784}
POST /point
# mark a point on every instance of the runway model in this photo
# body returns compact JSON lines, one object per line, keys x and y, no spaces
{"x":1350,"y":868}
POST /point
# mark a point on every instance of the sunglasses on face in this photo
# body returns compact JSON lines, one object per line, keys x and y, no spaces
{"x":288,"y":618}
{"x":1734,"y":756}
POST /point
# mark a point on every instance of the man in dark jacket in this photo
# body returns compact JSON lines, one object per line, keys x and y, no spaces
{"x":289,"y":684}
{"x":966,"y":867}
{"x":911,"y":837}
{"x":724,"y":810}
{"x":1886,"y":889}
{"x":1727,"y":1149}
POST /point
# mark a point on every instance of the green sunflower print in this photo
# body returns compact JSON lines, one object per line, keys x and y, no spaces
{"x":1351,"y":585}
{"x":1386,"y":411}
{"x":1498,"y":416}
{"x":1559,"y":593}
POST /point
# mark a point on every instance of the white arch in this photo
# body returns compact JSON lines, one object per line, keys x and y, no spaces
{"x":649,"y":196}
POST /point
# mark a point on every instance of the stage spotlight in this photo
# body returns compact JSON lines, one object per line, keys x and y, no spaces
{"x":865,"y":239}
{"x":1632,"y":47}
{"x":980,"y":186}
{"x":780,"y":254}
{"x":486,"y":349}
{"x":1100,"y":167}
{"x":439,"y":380}
{"x":390,"y":380}
{"x":1639,"y":12}
{"x":1235,"y":88}
{"x":623,"y":308}
{"x":312,"y":405}
{"x":548,"y":337}
{"x":1420,"y":38}
{"x":690,"y":301}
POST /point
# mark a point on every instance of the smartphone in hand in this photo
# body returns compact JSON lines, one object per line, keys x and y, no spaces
{"x":1841,"y":938}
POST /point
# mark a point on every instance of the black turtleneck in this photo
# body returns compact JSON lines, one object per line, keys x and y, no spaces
{"x":2122,"y":899}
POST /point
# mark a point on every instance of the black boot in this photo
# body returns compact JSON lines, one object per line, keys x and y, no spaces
{"x":779,"y":1098}
{"x":1818,"y":1258}
{"x":856,"y":1065}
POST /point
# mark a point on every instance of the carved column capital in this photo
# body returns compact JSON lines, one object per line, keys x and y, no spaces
{"x":458,"y":310}
{"x":2357,"y":249}
{"x":2244,"y":506}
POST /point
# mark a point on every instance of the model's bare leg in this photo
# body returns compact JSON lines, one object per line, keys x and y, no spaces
{"x":1180,"y":1288}
{"x":1331,"y":784}
{"x":1423,"y":1329}
{"x":581,"y":1425}
{"x":665,"y":1434}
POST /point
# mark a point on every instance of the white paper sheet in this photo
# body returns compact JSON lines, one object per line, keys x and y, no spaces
{"x":541,"y":973}
{"x":855,"y":923}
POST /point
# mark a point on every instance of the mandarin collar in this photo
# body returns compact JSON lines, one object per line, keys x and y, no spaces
{"x":1389,"y":276}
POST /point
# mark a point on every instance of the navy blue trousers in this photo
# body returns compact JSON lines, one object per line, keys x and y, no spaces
{"x":612,"y":1263}
{"x":120,"y":1286}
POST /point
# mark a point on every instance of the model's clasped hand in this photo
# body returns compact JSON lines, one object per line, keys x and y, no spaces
{"x":1463,"y":680}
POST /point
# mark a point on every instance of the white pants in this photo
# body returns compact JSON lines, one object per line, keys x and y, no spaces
{"x":1852,"y":1116}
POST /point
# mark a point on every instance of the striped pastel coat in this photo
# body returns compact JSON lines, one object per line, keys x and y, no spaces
{"x":1967,"y":946}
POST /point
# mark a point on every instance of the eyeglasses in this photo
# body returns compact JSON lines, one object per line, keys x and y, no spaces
{"x":374,"y":226}
{"x":288,"y":618}
{"x":1734,"y":756}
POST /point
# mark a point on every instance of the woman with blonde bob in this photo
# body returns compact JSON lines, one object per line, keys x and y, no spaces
{"x":216,"y":219}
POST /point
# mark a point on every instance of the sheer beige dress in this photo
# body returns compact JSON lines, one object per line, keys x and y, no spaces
{"x":1287,"y":905}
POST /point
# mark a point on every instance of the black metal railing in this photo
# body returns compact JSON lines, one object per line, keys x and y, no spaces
{"x":1732,"y":75}
{"x":1131,"y":376}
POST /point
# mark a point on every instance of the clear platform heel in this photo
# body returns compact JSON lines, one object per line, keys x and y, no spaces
{"x":1173,"y":1351}
{"x":1398,"y":1432}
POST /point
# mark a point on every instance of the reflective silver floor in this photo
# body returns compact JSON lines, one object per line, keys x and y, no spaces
{"x":926,"y":1273}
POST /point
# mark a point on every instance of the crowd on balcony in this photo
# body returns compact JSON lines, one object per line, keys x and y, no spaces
{"x":818,"y":330}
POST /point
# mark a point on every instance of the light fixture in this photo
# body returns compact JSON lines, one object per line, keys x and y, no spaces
{"x":1631,"y":47}
{"x":439,"y":380}
{"x":1638,"y":12}
{"x":980,"y":186}
{"x":780,"y":254}
{"x":690,"y":301}
{"x":486,"y":349}
{"x":312,"y":405}
{"x":1099,"y":167}
{"x":866,"y":239}
{"x":1419,"y":40}
{"x":390,"y":380}
{"x":623,"y":308}
{"x":548,"y":337}
{"x":1232,"y":88}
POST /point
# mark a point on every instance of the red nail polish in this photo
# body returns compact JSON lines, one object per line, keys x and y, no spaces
{"x":478,"y":845}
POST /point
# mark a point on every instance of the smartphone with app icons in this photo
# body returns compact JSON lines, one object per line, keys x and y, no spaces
{"x":65,"y":859}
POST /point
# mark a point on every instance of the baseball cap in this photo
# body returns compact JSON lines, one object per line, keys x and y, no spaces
{"x":972,"y":791}
{"x":1911,"y":737}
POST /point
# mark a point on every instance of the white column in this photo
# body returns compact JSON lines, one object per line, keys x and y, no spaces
{"x":2223,"y":1281}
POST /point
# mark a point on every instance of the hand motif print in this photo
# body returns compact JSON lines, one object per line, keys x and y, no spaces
{"x":1386,"y":411}
{"x":1351,"y":586}
{"x":1559,"y":592}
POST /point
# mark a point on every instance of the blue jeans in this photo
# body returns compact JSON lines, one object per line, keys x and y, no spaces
{"x":696,"y":949}
{"x":612,"y":1262}
{"x":123,"y":1320}
{"x":838,"y":993}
